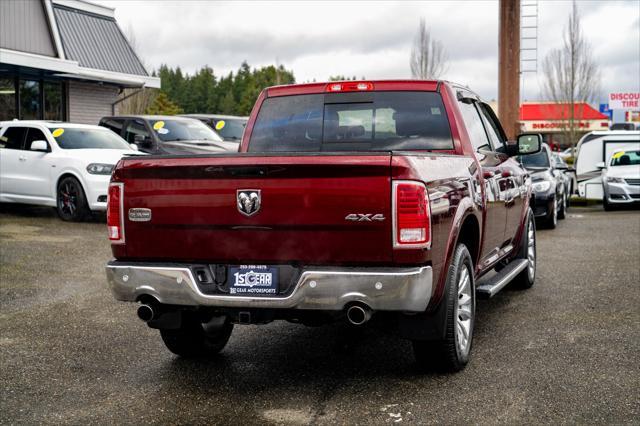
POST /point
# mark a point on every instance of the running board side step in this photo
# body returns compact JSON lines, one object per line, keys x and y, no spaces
{"x":489,"y":287}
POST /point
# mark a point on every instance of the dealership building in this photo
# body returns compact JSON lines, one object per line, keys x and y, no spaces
{"x":550,"y":119}
{"x":64,"y":60}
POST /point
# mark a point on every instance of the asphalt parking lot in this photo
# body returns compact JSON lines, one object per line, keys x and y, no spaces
{"x":565,"y":351}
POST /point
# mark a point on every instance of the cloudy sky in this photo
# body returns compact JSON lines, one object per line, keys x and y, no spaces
{"x":371,"y":39}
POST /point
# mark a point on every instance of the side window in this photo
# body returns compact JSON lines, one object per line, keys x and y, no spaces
{"x":34,"y":135}
{"x":113,"y":124}
{"x":13,"y":138}
{"x":474,"y":126}
{"x":492,"y":128}
{"x":136,"y":127}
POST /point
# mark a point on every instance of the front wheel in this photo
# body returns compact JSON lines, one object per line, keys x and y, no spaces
{"x":551,"y":221}
{"x":526,"y":278}
{"x":197,"y":339}
{"x":562,"y":212}
{"x":607,"y":205}
{"x":71,"y":202}
{"x":452,"y":353}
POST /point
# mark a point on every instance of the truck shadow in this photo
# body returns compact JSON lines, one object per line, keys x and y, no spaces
{"x":282,"y":355}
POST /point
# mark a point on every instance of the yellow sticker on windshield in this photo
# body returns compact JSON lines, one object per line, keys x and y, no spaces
{"x":158,"y":125}
{"x":57,"y":132}
{"x":618,"y":154}
{"x":220,"y":124}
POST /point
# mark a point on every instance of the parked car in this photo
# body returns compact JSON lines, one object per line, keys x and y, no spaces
{"x":623,"y":126}
{"x":565,"y":173}
{"x":549,"y":201}
{"x":325,"y":215}
{"x":567,"y":153}
{"x":229,"y":127}
{"x":595,"y":148}
{"x":62,"y":165}
{"x":168,"y":135}
{"x":621,"y":179}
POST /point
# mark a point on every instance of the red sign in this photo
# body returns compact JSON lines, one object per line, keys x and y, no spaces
{"x":624,"y":100}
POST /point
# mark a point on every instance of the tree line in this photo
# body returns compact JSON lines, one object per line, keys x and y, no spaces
{"x":205,"y":92}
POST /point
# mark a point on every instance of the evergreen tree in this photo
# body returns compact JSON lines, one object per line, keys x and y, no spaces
{"x":234,"y":94}
{"x":162,"y":105}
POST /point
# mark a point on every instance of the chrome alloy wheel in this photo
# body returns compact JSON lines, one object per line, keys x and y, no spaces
{"x":464,"y":311}
{"x":531,"y":250}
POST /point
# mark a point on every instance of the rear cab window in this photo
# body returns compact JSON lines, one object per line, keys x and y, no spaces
{"x":371,"y":121}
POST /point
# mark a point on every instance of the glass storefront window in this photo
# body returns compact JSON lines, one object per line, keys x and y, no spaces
{"x":53,"y":101}
{"x":7,"y":99}
{"x":29,"y":100}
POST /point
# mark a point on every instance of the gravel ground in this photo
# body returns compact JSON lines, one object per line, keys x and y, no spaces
{"x":565,"y":351}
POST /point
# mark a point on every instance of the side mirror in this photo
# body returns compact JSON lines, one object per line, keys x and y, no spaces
{"x":41,"y":146}
{"x":133,"y":146}
{"x":601,"y":165}
{"x":529,"y":143}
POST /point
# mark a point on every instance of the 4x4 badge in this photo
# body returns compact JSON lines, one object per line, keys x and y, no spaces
{"x":249,"y":201}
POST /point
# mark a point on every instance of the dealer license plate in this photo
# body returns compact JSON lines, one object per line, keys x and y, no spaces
{"x":253,"y":279}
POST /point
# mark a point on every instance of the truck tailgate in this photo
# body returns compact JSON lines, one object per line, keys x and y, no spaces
{"x":305,"y":203}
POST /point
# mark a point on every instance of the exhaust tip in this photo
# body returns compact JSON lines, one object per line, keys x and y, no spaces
{"x":146,"y":313}
{"x":358,"y":315}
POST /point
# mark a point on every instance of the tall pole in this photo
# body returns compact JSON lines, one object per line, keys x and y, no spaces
{"x":509,"y":67}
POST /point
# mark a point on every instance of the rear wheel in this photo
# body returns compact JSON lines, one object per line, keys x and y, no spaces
{"x":526,"y":278}
{"x":452,"y":353}
{"x":71,"y":202}
{"x":197,"y":339}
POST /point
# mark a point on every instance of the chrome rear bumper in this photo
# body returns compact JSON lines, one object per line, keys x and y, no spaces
{"x":386,"y":289}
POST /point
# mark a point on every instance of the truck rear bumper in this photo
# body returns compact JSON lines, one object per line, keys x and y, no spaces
{"x":382,"y":289}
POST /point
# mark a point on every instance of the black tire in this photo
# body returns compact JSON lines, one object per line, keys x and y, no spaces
{"x":527,"y":277}
{"x":551,"y":221}
{"x":195,"y":339}
{"x":607,"y":205}
{"x":71,"y":202}
{"x":452,"y":354}
{"x":562,"y":212}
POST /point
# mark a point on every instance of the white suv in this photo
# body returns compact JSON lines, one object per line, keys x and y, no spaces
{"x":62,"y":165}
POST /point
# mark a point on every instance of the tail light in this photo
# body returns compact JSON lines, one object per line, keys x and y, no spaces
{"x":350,"y":86}
{"x":115,"y":213}
{"x":411,"y":215}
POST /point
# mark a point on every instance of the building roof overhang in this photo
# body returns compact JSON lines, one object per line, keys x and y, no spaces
{"x":65,"y":68}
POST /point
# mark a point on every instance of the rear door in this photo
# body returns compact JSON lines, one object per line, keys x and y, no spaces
{"x":10,"y":164}
{"x":34,"y":173}
{"x":312,"y":209}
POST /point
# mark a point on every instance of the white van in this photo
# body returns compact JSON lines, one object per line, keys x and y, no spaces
{"x":595,"y":148}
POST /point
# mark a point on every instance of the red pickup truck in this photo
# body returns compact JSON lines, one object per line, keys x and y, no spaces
{"x":388,"y":201}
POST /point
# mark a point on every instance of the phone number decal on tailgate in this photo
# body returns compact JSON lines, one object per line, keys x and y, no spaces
{"x":253,"y":279}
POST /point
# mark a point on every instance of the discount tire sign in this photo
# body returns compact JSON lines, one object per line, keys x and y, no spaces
{"x":624,"y":100}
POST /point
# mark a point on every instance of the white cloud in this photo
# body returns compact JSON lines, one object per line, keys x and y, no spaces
{"x":372,"y":39}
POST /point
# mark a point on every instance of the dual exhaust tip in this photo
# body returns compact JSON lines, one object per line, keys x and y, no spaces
{"x":147,"y":312}
{"x":357,"y":314}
